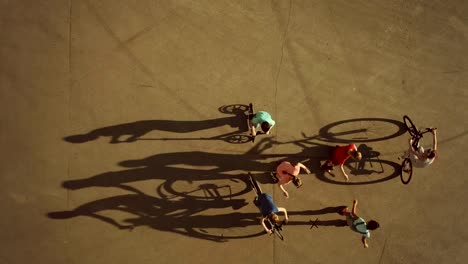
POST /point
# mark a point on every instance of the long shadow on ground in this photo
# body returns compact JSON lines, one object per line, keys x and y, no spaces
{"x":182,"y":216}
{"x":133,"y":131}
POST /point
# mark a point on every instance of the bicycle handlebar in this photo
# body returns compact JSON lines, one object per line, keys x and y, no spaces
{"x":429,"y":129}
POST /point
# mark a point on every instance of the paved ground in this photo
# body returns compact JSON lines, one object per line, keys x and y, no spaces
{"x":118,"y":121}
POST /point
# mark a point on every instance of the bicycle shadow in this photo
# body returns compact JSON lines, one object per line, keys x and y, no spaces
{"x":188,"y":167}
{"x":180,"y":216}
{"x":133,"y":131}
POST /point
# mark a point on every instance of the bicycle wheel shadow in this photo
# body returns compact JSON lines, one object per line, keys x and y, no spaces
{"x":369,"y":170}
{"x":134,"y":131}
{"x":360,"y":130}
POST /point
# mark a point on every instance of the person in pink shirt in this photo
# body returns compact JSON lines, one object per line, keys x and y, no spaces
{"x":339,"y":156}
{"x":286,"y":173}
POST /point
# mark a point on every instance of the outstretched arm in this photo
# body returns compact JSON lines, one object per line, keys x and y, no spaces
{"x":268,"y":132}
{"x":343,"y":171}
{"x":364,"y":241}
{"x":282,"y":209}
{"x":410,"y":143}
{"x":353,"y":211}
{"x":302,"y":166}
{"x":284,"y":191}
{"x":252,"y":129}
{"x":262,"y":222}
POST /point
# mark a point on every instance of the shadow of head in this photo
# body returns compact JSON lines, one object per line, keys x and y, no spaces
{"x":367,"y":151}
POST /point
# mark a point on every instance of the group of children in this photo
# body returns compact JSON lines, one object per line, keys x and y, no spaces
{"x":287,"y":173}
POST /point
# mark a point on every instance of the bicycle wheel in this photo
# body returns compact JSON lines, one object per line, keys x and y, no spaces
{"x":254,"y":185}
{"x":412,"y":129}
{"x":278,"y":232}
{"x":406,"y":171}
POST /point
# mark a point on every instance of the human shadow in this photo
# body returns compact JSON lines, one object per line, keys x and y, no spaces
{"x":180,"y":216}
{"x":179,"y":166}
{"x":133,"y":131}
{"x":317,"y":222}
{"x":325,"y":210}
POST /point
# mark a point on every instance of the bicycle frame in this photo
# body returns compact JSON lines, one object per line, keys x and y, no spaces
{"x":276,"y":228}
{"x":254,"y":185}
{"x":414,"y":132}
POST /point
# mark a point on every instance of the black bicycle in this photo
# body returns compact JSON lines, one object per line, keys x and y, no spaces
{"x":406,"y":170}
{"x":274,"y":227}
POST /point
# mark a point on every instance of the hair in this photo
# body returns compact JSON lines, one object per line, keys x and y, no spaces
{"x":274,"y":217}
{"x":297,"y":181}
{"x":265,"y":126}
{"x":356,"y":155}
{"x":431,"y":153}
{"x":372,"y":225}
{"x":341,"y":210}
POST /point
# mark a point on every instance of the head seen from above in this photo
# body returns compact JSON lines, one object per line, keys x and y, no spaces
{"x":430,"y":153}
{"x":356,"y":155}
{"x":297,"y":181}
{"x":273,"y":217}
{"x":372,"y":225}
{"x":265,"y":126}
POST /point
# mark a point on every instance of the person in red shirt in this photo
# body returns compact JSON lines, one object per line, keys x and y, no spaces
{"x":339,"y":156}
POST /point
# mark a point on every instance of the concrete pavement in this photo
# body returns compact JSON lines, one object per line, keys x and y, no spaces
{"x":119,"y":142}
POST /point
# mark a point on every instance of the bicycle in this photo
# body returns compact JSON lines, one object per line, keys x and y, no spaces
{"x":406,"y":170}
{"x":274,"y":227}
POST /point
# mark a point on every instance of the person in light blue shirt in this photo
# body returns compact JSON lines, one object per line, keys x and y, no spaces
{"x":261,"y":120}
{"x":359,"y":225}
